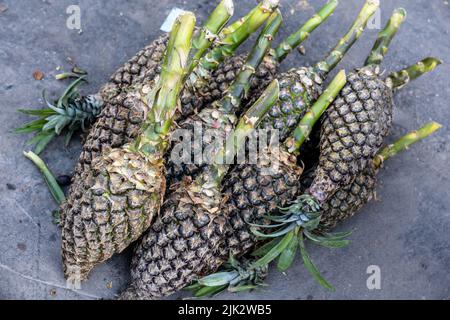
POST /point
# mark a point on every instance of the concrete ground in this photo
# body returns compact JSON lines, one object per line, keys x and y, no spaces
{"x":406,"y":232}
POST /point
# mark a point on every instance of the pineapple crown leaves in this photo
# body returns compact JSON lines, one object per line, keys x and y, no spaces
{"x":286,"y":248}
{"x":299,"y":221}
{"x":234,"y":276}
{"x":71,"y":111}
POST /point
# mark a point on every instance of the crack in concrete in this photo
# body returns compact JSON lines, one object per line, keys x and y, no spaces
{"x":25,"y":212}
{"x":47,"y":283}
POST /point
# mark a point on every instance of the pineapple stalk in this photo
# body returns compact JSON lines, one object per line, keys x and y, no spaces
{"x":238,"y":23}
{"x":336,"y":55}
{"x":296,"y":38}
{"x":206,"y":36}
{"x":241,"y":84}
{"x":405,"y":142}
{"x":164,"y":96}
{"x":304,"y":128}
{"x":399,"y":79}
{"x":246,"y":125}
{"x":228,"y":104}
{"x":53,"y":186}
{"x":231,"y":42}
{"x":385,"y":37}
{"x":300,"y":87}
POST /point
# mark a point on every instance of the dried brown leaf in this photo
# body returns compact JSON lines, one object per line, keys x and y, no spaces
{"x":38,"y":75}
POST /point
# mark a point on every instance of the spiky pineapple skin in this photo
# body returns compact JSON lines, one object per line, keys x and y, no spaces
{"x":254,"y":191}
{"x":353,"y":130}
{"x":348,"y":200}
{"x":184,"y":242}
{"x":219,"y":124}
{"x":298,"y":89}
{"x":110,"y":207}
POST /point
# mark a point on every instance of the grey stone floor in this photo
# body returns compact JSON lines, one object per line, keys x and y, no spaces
{"x":406,"y":232}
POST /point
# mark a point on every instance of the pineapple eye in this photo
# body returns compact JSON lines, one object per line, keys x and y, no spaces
{"x":297,"y":88}
{"x":284,"y":95}
{"x":286,"y":107}
{"x":299,"y":104}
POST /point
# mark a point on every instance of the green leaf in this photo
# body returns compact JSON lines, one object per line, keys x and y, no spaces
{"x":38,"y":113}
{"x":38,"y":137}
{"x":312,"y":224}
{"x":274,"y":234}
{"x":40,"y":146}
{"x":265,"y":226}
{"x":52,"y":122}
{"x":329,"y":240}
{"x":209,"y":291}
{"x":61,"y":125}
{"x":243,"y":288}
{"x":68,"y":137}
{"x":288,"y":255}
{"x":218,"y":279}
{"x":264,"y":249}
{"x":335,"y":244}
{"x":275,"y":251}
{"x":337,"y":235}
{"x":35,"y":125}
{"x":54,"y":187}
{"x":62,"y":101}
{"x":193,"y":287}
{"x":311,"y":267}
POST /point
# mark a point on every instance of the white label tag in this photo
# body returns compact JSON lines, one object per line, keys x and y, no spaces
{"x":170,"y":20}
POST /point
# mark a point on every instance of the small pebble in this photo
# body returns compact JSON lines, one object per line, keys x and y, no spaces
{"x":10,"y":186}
{"x":38,"y":75}
{"x":3,"y":7}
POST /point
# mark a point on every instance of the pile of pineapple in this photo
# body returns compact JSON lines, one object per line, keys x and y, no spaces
{"x":217,"y":224}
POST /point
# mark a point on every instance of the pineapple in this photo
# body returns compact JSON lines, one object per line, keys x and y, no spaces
{"x":246,"y":274}
{"x":189,"y":238}
{"x":300,"y":88}
{"x":350,"y":198}
{"x":354,"y":127}
{"x":112,"y":204}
